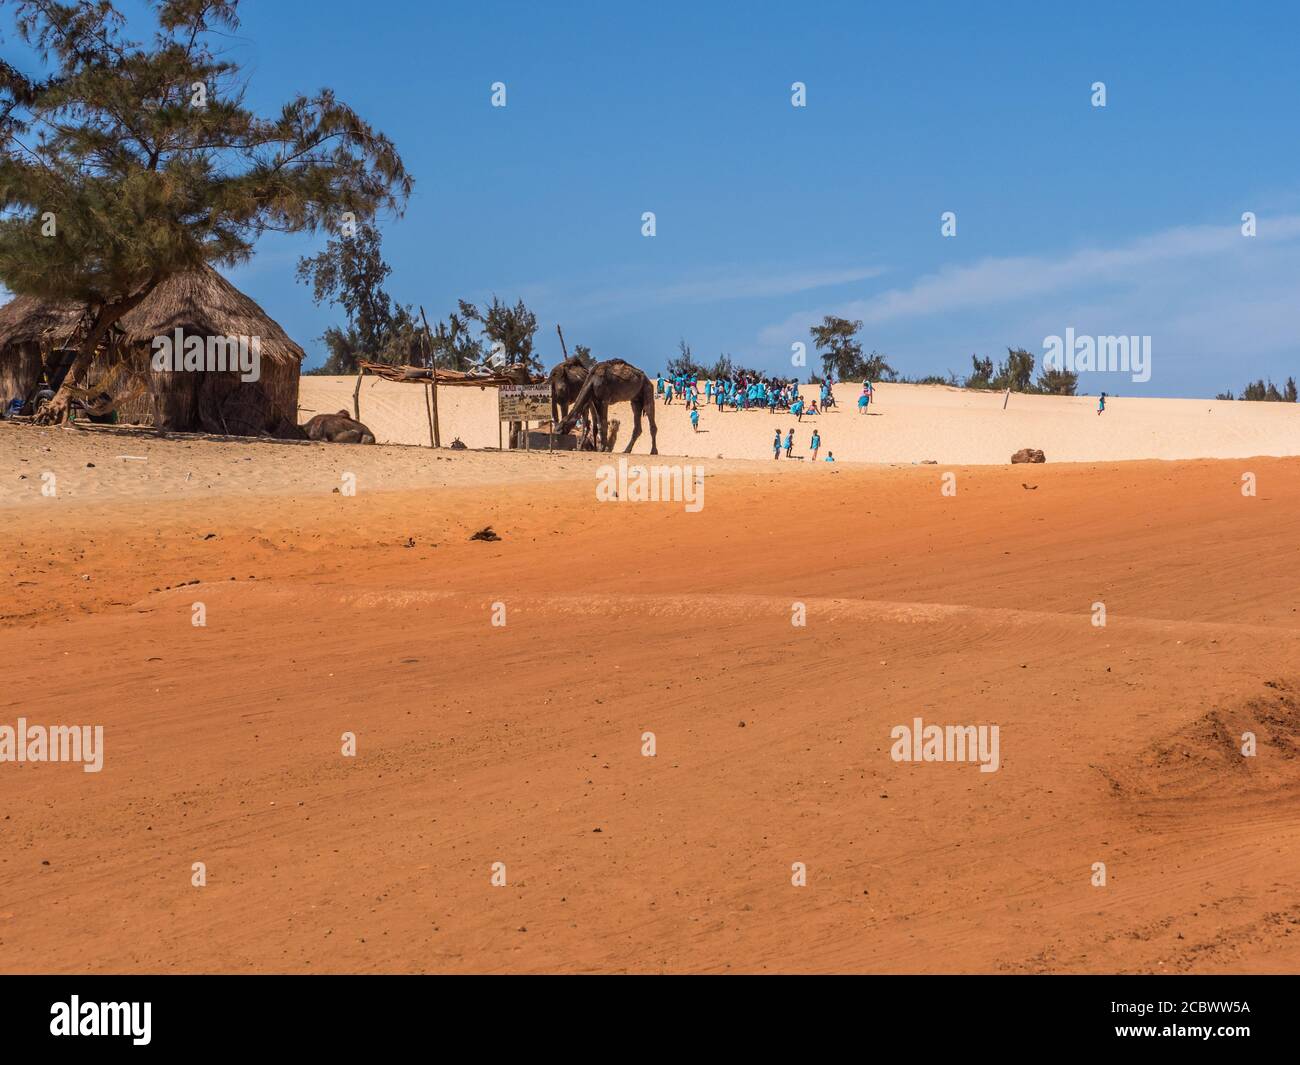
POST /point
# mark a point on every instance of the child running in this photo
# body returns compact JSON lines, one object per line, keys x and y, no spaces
{"x":815,"y":444}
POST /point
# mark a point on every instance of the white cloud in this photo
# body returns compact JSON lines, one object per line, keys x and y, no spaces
{"x":1004,"y":281}
{"x":717,"y":286}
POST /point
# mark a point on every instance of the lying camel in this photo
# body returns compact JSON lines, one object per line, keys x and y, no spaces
{"x":340,"y":428}
{"x":588,"y":435}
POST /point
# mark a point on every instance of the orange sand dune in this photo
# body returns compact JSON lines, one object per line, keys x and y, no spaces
{"x":522,"y":744}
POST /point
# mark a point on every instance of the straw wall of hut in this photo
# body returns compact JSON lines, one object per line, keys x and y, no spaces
{"x":202,"y":304}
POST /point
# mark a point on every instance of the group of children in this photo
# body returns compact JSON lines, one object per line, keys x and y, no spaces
{"x":814,"y":445}
{"x":771,"y":394}
{"x":742,"y":393}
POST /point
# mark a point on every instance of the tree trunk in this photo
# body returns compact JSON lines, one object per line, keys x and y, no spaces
{"x":157,"y":407}
{"x":56,"y":411}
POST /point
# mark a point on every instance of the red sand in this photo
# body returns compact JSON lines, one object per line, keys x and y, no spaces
{"x":522,"y":744}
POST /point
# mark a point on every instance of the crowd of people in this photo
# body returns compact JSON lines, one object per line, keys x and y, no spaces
{"x":770,"y":394}
{"x":742,"y":392}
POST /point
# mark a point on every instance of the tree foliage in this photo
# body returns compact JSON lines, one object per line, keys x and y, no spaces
{"x":683,"y":363}
{"x":350,"y":272}
{"x":842,"y":357}
{"x":1267,"y":392}
{"x":1057,"y":382}
{"x":126,"y":162}
{"x":981,"y":372}
{"x":508,"y":330}
{"x":1017,"y":372}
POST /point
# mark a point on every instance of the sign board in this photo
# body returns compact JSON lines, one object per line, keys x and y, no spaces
{"x":524,"y":403}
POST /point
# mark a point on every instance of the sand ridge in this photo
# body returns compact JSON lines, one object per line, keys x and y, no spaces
{"x":904,"y":424}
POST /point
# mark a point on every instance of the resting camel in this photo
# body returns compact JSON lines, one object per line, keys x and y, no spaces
{"x":340,"y":428}
{"x":588,"y":436}
{"x":566,"y":382}
{"x":615,"y":381}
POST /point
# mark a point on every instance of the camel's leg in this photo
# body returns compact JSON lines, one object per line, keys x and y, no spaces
{"x":636,"y":424}
{"x":600,"y":412}
{"x":650,"y":413}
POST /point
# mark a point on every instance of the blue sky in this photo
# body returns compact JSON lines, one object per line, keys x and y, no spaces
{"x":1115,"y":220}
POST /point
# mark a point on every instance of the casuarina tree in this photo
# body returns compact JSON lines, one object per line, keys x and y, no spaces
{"x":126,"y":162}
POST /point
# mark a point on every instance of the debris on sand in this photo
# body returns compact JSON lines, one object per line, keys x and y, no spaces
{"x":486,"y":534}
{"x":1030,"y":487}
{"x":1028,"y":454}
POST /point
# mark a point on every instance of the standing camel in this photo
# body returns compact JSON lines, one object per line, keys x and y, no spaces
{"x":615,"y":381}
{"x":566,"y":382}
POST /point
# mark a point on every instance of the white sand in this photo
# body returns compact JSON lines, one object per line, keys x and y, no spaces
{"x":398,"y":414}
{"x":907,"y":423}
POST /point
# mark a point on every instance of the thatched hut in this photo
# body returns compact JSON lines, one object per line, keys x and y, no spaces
{"x":200,"y":303}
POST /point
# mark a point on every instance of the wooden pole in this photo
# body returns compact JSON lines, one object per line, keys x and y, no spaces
{"x":550,"y":436}
{"x":428,"y":409}
{"x":428,"y":336}
{"x":356,"y":396}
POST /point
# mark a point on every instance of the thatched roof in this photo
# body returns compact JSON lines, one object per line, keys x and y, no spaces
{"x":422,"y":375}
{"x":200,"y":302}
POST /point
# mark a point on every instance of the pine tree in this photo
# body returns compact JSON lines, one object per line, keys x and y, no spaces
{"x":509,"y":330}
{"x":837,"y":340}
{"x":130,"y":162}
{"x":351,"y":272}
